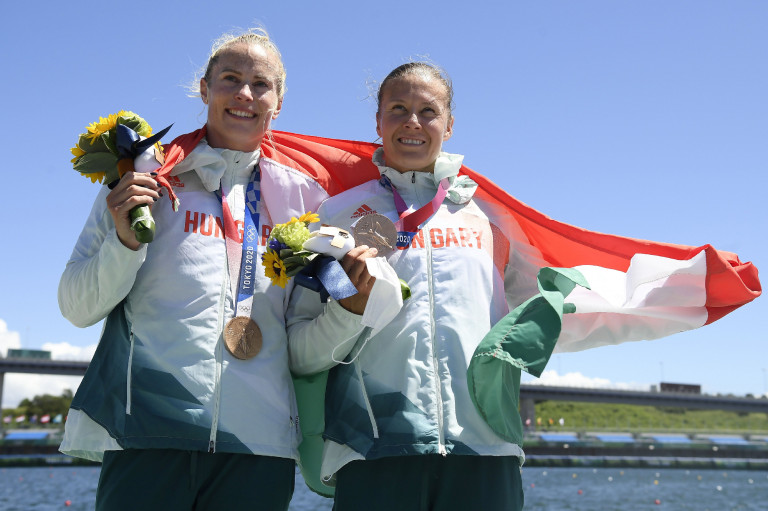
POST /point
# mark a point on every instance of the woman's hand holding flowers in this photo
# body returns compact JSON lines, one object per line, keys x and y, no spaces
{"x":110,"y":149}
{"x":133,"y":189}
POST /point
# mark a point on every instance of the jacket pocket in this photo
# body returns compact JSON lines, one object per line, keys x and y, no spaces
{"x":128,"y":373}
{"x":371,"y":417}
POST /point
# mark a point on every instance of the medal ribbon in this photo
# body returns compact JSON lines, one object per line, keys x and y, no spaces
{"x":409,"y":221}
{"x":245,"y":264}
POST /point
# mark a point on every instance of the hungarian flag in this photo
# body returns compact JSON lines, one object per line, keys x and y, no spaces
{"x":21,"y":418}
{"x":624,"y":288}
{"x":625,"y":275}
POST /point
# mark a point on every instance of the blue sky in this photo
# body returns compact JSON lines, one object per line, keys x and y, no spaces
{"x":642,"y":118}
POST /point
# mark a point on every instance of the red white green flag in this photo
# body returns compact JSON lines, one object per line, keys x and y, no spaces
{"x":624,"y":273}
{"x":682,"y":286}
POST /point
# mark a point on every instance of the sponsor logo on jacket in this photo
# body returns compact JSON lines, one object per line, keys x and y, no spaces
{"x":175,"y":182}
{"x":363,"y":210}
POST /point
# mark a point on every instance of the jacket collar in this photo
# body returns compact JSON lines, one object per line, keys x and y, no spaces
{"x":447,"y":165}
{"x":210,"y":163}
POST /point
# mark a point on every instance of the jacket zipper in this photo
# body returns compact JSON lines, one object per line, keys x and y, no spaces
{"x":433,"y":337}
{"x":225,"y":282}
{"x":219,"y":355}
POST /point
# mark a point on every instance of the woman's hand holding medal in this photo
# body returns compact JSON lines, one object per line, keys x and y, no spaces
{"x":355,"y":266}
{"x":361,"y":264}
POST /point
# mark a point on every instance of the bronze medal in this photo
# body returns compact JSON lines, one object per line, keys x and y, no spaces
{"x":242,"y":337}
{"x":378,"y":231}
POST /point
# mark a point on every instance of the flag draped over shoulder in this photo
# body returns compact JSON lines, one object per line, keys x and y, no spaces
{"x":727,"y":282}
{"x":338,"y":165}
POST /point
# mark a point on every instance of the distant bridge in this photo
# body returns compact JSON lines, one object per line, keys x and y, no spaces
{"x":529,"y":394}
{"x":40,"y":366}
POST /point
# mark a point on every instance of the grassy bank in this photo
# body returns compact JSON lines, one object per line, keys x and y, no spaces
{"x":618,"y":417}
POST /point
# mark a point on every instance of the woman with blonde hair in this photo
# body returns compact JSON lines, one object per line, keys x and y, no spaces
{"x":188,"y":402}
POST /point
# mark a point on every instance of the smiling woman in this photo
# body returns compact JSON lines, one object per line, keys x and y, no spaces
{"x":428,"y":402}
{"x":243,"y":87}
{"x":189,"y":388}
{"x":398,"y":413}
{"x":414,"y":116}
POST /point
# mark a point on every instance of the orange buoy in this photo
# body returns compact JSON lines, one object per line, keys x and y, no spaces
{"x":657,"y":502}
{"x":580,"y":492}
{"x":67,"y":503}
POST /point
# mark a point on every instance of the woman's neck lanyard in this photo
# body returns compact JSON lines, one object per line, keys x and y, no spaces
{"x":242,"y":335}
{"x":409,"y":221}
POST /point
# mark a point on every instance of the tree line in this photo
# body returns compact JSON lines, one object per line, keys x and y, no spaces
{"x":38,"y":407}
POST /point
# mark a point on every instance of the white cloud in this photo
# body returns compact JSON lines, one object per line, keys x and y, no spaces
{"x":66,"y":351}
{"x":552,"y":378}
{"x":26,"y":386}
{"x":8,"y":339}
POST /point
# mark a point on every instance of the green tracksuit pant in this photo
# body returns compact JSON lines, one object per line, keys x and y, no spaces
{"x":430,"y":483}
{"x":174,"y":480}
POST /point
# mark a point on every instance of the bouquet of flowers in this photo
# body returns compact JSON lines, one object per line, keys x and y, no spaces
{"x":285,"y":255}
{"x":115,"y":145}
{"x":311,"y":257}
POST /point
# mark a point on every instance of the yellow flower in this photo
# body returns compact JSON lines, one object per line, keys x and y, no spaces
{"x":274,"y":268}
{"x":93,"y":176}
{"x":77,"y":152}
{"x":105,"y":127}
{"x":309,"y":218}
{"x":104,"y":124}
{"x":96,"y":176}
